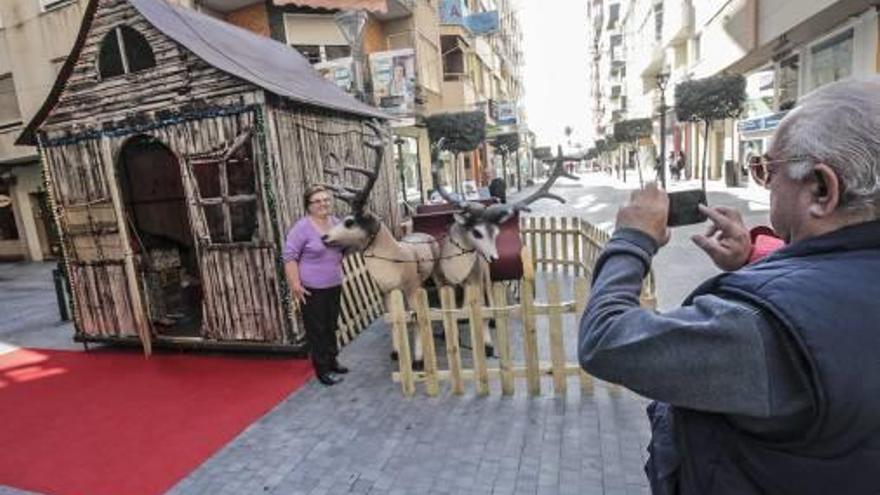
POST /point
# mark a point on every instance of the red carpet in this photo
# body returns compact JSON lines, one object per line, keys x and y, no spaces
{"x":117,"y":423}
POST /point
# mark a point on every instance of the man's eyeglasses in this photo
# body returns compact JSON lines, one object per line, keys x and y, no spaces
{"x":321,"y":200}
{"x":762,"y":167}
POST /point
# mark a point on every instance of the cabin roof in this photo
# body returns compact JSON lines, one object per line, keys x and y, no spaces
{"x":262,"y":61}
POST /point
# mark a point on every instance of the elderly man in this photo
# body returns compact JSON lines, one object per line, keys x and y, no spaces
{"x":767,"y":378}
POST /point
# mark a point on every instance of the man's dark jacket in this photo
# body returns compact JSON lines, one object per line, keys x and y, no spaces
{"x":825,"y":293}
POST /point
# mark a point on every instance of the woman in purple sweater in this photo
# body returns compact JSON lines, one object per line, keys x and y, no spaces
{"x":314,"y":275}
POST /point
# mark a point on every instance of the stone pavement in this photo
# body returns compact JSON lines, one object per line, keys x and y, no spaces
{"x":362,"y":436}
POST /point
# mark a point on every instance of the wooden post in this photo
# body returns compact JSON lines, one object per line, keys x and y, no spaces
{"x":576,"y":256}
{"x":542,"y":232}
{"x":557,"y":350}
{"x":554,"y":254}
{"x":426,"y":334}
{"x":532,"y":243}
{"x":474,"y":297}
{"x":138,"y":309}
{"x":450,"y":329}
{"x":581,"y":293}
{"x":530,"y":341}
{"x":404,"y":359}
{"x":503,"y":332}
{"x":565,"y":255}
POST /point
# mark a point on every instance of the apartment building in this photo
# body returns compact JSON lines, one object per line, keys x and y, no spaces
{"x":785,"y":49}
{"x":35,"y":37}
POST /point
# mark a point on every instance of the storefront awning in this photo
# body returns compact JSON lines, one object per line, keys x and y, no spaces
{"x":379,"y":6}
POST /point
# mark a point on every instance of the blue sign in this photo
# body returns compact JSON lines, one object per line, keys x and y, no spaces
{"x":453,"y":12}
{"x":483,"y":23}
{"x":765,"y":123}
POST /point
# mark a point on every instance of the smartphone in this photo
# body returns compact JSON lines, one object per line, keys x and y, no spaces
{"x":683,"y":208}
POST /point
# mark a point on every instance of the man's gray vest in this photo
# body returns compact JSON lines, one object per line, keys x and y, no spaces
{"x":825,"y":293}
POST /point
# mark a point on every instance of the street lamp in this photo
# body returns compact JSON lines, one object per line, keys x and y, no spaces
{"x":351,"y":24}
{"x":662,"y":81}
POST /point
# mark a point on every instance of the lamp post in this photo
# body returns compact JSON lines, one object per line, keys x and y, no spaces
{"x":351,"y":24}
{"x":662,"y":81}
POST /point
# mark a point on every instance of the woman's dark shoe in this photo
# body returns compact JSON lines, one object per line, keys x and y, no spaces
{"x":338,"y":368}
{"x":328,"y":378}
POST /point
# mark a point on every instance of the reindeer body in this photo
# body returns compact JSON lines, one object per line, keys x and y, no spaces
{"x":403,"y":264}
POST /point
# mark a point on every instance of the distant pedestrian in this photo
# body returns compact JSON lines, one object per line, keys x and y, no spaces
{"x":498,"y":189}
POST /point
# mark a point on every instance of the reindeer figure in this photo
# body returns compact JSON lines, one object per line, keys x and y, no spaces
{"x":469,"y":245}
{"x":394,"y":264}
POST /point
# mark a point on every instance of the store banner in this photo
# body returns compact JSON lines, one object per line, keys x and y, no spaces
{"x":338,"y":71}
{"x":505,"y":113}
{"x":483,"y":23}
{"x":394,"y":81}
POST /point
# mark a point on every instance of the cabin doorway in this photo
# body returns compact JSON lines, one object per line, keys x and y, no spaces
{"x":161,"y":236}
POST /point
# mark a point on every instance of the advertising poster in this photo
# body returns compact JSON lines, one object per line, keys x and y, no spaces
{"x":394,"y":81}
{"x":338,"y":71}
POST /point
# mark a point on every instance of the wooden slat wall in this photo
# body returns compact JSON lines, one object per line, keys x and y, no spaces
{"x":101,"y":299}
{"x":178,"y":78}
{"x":303,"y":140}
{"x":241,"y":303}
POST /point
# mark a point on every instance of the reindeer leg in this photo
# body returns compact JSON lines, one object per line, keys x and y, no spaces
{"x":486,"y":282}
{"x":418,"y":357}
{"x":394,"y":344}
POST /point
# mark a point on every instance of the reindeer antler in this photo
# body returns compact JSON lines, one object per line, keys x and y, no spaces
{"x":357,"y":197}
{"x":435,"y":176}
{"x":544,"y":190}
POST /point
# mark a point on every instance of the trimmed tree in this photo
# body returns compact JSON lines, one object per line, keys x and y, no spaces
{"x":628,"y":133}
{"x":505,"y":144}
{"x":707,"y":100}
{"x":462,"y":132}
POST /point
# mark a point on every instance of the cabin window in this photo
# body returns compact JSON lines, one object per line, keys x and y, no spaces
{"x":227,"y":190}
{"x":124,"y":51}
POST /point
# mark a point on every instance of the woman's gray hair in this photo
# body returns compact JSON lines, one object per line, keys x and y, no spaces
{"x":839,"y":125}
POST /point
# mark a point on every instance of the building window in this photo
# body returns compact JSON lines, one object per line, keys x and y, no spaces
{"x":227,"y":191}
{"x":698,"y":47}
{"x":332,"y":52}
{"x":10,"y":114}
{"x":47,"y":5}
{"x":453,"y":58}
{"x":760,"y":92}
{"x":787,"y":76}
{"x":312,"y":53}
{"x":613,"y":15}
{"x":8,"y":229}
{"x":658,"y":21}
{"x":831,"y":60}
{"x":124,"y":51}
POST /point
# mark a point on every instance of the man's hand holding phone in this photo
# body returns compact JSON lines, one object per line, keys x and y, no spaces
{"x":647,"y":211}
{"x":727,"y":240}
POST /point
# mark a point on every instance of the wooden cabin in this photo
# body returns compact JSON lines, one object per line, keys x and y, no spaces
{"x":176,"y":148}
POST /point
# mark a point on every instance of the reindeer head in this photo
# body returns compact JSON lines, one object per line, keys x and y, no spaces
{"x":359,"y":228}
{"x":478,"y":225}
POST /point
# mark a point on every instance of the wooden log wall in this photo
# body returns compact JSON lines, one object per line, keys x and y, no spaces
{"x":178,"y":79}
{"x":302,"y":140}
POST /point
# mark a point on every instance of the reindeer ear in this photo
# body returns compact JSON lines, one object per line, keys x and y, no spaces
{"x":459,"y":218}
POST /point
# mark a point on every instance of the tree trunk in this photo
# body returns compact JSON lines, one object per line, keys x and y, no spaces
{"x":705,"y":153}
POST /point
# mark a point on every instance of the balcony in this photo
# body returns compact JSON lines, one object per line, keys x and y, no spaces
{"x":458,"y":93}
{"x":678,"y":21}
